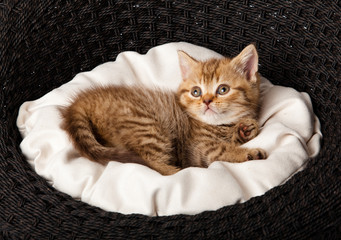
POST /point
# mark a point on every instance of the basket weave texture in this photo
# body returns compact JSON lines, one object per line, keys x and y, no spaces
{"x":43,"y":44}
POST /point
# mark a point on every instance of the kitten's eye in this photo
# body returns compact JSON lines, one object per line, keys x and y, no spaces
{"x":196,"y":92}
{"x":223,"y":89}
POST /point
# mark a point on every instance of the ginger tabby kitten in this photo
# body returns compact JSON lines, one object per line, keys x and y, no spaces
{"x":213,"y":112}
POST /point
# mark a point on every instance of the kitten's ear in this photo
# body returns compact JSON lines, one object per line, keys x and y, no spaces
{"x":187,"y":64}
{"x":247,"y":62}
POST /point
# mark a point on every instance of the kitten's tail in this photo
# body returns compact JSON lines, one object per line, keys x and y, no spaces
{"x":81,"y":132}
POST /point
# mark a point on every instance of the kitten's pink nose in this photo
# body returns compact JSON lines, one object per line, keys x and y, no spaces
{"x":207,"y":101}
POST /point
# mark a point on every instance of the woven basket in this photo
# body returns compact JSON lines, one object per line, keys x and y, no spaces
{"x":43,"y":44}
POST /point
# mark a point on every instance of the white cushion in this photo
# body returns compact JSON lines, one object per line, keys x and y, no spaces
{"x":290,"y":134}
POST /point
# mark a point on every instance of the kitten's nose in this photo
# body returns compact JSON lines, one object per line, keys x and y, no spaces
{"x":207,"y":101}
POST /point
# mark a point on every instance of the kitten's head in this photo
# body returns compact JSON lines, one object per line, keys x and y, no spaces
{"x":220,"y":91}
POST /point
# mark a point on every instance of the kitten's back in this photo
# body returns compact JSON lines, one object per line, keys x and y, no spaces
{"x":102,"y":121}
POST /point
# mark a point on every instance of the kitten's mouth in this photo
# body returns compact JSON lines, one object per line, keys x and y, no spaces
{"x":209,"y":111}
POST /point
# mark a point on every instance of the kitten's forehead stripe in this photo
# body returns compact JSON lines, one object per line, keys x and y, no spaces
{"x":209,"y":70}
{"x":210,"y":76}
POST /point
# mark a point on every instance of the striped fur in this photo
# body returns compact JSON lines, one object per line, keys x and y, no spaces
{"x":169,"y":131}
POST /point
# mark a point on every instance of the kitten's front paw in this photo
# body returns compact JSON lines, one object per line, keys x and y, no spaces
{"x":256,"y":154}
{"x":247,"y":129}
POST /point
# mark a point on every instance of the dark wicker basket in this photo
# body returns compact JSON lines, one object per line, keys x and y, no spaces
{"x":43,"y":44}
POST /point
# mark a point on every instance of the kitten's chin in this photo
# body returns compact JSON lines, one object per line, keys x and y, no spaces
{"x":213,"y":118}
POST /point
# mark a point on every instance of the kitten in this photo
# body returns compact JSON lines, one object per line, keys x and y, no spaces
{"x":213,"y":112}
